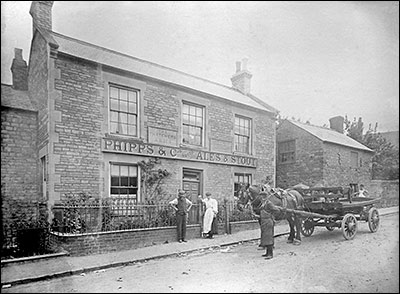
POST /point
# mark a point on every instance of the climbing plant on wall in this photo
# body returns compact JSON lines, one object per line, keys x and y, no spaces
{"x":152,"y":179}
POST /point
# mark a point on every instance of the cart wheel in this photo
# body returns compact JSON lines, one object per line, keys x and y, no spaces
{"x":307,"y":227}
{"x":373,"y":219}
{"x":349,"y":226}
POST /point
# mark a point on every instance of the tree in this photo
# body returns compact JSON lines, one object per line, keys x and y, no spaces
{"x":385,"y":161}
{"x":354,"y":129}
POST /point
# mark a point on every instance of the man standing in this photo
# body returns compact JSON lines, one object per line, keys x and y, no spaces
{"x":182,"y":206}
{"x":209,"y":215}
{"x":267,"y":223}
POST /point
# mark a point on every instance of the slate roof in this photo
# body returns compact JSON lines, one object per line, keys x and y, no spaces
{"x":122,"y":61}
{"x":15,"y":98}
{"x":329,"y":135}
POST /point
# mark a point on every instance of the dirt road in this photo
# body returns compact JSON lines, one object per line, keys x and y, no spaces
{"x":324,"y":262}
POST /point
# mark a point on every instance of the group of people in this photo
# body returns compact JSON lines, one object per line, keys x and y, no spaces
{"x":182,"y":206}
{"x":266,"y":216}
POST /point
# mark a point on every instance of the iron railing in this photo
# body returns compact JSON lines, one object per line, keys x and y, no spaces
{"x":121,"y":213}
{"x":22,"y":239}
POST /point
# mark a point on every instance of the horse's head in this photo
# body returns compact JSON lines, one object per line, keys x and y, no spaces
{"x":247,"y":194}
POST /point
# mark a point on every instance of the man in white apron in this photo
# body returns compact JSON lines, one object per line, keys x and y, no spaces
{"x":209,"y":214}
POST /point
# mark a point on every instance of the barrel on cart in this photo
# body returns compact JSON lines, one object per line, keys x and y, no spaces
{"x":336,"y":207}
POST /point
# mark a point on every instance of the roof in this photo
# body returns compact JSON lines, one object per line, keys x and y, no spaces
{"x":330,"y":136}
{"x":118,"y":60}
{"x":15,"y":98}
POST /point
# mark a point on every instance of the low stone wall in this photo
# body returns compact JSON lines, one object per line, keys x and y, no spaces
{"x":102,"y":242}
{"x":387,"y":190}
{"x":235,"y":227}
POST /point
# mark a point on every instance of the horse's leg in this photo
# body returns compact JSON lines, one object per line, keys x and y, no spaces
{"x":292,"y":232}
{"x":297,"y":240}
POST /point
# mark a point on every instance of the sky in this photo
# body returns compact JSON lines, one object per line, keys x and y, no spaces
{"x":310,"y":60}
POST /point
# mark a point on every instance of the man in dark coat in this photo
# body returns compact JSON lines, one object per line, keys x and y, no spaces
{"x":267,"y":222}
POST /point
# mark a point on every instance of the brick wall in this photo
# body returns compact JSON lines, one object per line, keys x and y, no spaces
{"x":19,"y":170}
{"x":96,"y":243}
{"x":119,"y":240}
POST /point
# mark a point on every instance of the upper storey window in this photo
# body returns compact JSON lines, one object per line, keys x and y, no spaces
{"x":192,"y":124}
{"x":123,"y":110}
{"x":287,"y":151}
{"x":242,"y":134}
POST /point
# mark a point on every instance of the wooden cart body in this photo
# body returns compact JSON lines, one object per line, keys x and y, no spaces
{"x":336,"y":207}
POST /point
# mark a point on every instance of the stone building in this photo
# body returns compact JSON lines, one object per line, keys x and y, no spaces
{"x":95,"y":114}
{"x":314,"y":155}
{"x":20,"y":196}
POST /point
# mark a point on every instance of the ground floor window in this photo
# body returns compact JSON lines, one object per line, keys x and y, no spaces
{"x":124,"y":185}
{"x":240,"y":179}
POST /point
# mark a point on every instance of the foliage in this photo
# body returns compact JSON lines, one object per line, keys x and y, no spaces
{"x":72,"y":221}
{"x":385,"y":161}
{"x":354,"y":129}
{"x":238,"y":215}
{"x":25,"y":233}
{"x":152,"y":179}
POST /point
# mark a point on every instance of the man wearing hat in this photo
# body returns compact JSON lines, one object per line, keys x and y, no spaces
{"x":267,"y":222}
{"x":182,"y":206}
{"x":209,"y":215}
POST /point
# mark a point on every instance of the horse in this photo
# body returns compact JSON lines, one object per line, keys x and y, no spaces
{"x":291,"y":199}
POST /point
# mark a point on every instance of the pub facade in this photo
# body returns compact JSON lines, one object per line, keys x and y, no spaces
{"x":101,"y":114}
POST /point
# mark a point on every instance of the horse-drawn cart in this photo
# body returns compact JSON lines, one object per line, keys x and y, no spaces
{"x":335,"y":207}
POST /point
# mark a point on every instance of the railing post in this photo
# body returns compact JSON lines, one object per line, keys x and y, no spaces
{"x":226,"y":213}
{"x":200,"y":216}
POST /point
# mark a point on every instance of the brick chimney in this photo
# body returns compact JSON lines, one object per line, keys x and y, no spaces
{"x":41,"y":14}
{"x":241,"y":79}
{"x":19,"y":71}
{"x":337,"y":124}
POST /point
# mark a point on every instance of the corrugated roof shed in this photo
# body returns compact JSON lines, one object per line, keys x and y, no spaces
{"x":331,"y":136}
{"x":15,"y":98}
{"x":118,"y":60}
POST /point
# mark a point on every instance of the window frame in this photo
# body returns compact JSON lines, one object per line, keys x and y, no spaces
{"x":189,"y":125}
{"x":128,"y":113}
{"x":286,"y":152}
{"x":239,"y":135}
{"x":239,"y":174}
{"x":136,"y":199}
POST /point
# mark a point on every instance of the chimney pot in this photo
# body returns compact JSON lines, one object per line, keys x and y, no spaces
{"x":241,"y":79}
{"x":337,"y":124}
{"x":244,"y":63}
{"x":41,"y":14}
{"x":18,"y":53}
{"x":238,"y":66}
{"x":19,"y":70}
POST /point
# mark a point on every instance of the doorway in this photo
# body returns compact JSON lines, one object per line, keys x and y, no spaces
{"x":192,"y":183}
